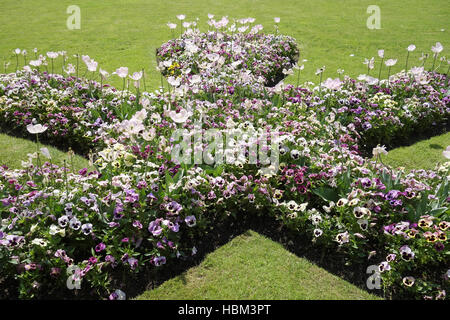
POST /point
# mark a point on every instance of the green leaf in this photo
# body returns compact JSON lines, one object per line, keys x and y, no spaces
{"x":178,"y":176}
{"x":443,"y":191}
{"x":326,"y":193}
{"x":438,"y":211}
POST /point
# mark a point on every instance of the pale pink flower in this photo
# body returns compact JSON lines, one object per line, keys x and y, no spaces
{"x":174,"y":81}
{"x":104,"y":73}
{"x":52,"y":55}
{"x":446,"y":152}
{"x":122,"y":72}
{"x":91,"y":65}
{"x":370,"y":63}
{"x":35,"y":129}
{"x":35,"y":63}
{"x":136,"y":76}
{"x":390,"y":62}
{"x":437,"y":48}
{"x":411,"y":48}
{"x":332,"y":84}
{"x":181,"y":116}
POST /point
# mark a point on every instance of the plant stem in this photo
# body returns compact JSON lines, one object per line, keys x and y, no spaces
{"x":381,"y":66}
{"x":434,"y":61}
{"x":123,"y":88}
{"x":320,"y":82}
{"x":101,"y":86}
{"x":298,"y":78}
{"x":424,"y":60}
{"x":37,"y":151}
{"x":162,"y":83}
{"x":389,"y":74}
{"x":406,"y":66}
{"x":65,"y":177}
{"x":77,"y":65}
{"x":143,"y":77}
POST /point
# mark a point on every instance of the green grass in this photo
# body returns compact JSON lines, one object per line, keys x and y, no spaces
{"x":126,"y":33}
{"x":14,"y":150}
{"x":424,"y":154}
{"x":254,"y":267}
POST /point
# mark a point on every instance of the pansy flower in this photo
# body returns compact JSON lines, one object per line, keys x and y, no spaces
{"x":100,"y":247}
{"x":154,"y":227}
{"x":408,"y":281}
{"x":342,"y":238}
{"x":317,"y":232}
{"x":159,"y":261}
{"x":341,"y":202}
{"x":190,"y":221}
{"x":430,"y":236}
{"x":384,"y":266}
{"x":443,"y":225}
{"x":63,"y":221}
{"x":425,"y":222}
{"x":406,"y":253}
{"x":74,"y":223}
{"x":363,"y":224}
{"x":86,"y":228}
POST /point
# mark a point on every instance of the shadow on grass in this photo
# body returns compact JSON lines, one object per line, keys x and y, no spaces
{"x":332,"y":261}
{"x":436,"y":146}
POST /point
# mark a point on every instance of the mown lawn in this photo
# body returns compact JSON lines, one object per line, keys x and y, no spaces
{"x":254,"y":267}
{"x":15,"y":150}
{"x":424,"y":154}
{"x":126,"y":33}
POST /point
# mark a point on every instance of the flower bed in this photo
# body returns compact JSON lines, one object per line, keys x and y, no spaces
{"x":229,"y":60}
{"x":142,"y":207}
{"x":73,"y":109}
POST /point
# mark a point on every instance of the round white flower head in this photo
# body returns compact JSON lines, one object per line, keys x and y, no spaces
{"x":121,"y":72}
{"x":390,"y":62}
{"x":379,"y":150}
{"x":171,"y":25}
{"x":52,"y":55}
{"x":437,"y":48}
{"x":36,"y":129}
{"x":136,"y":76}
{"x":411,"y":48}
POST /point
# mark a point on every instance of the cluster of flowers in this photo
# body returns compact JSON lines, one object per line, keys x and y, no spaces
{"x":142,"y":208}
{"x":412,"y":103}
{"x":72,"y":109}
{"x":226,"y":60}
